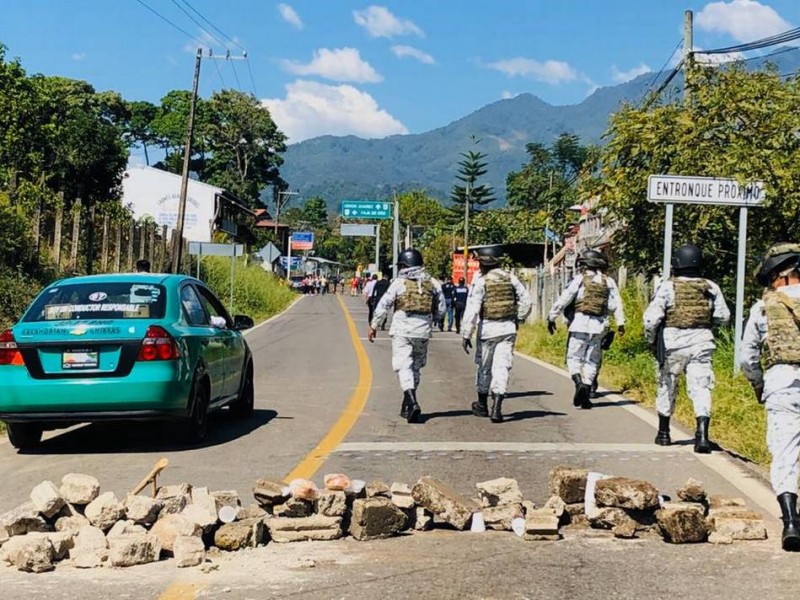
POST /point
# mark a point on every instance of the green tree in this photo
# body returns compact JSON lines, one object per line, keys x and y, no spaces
{"x":471,"y":168}
{"x":139,"y":125}
{"x":315,"y":212}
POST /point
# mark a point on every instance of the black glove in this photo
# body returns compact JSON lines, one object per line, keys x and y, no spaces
{"x":466,"y":344}
{"x":759,"y":391}
{"x":551,"y":327}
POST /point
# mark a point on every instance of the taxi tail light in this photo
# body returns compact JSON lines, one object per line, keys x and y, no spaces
{"x":9,"y":353}
{"x":158,"y":344}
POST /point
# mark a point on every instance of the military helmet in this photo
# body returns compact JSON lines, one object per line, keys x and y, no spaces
{"x":592,"y":259}
{"x":777,"y":259}
{"x":687,"y":260}
{"x":410,"y":257}
{"x":489,"y":256}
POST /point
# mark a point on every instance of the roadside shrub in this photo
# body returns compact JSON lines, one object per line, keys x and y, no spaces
{"x":17,"y":290}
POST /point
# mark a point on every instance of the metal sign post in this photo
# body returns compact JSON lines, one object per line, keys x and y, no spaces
{"x":201,"y":249}
{"x":676,"y":189}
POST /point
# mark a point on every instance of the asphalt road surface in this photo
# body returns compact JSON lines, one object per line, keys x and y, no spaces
{"x":327,"y":401}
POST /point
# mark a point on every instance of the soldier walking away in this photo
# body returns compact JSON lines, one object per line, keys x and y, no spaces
{"x":460,"y":301}
{"x":499,"y":302}
{"x":449,"y":292}
{"x":418,"y":301}
{"x":592,"y":296}
{"x":773,"y":331}
{"x":368,"y":296}
{"x":678,"y":324}
{"x":377,"y":293}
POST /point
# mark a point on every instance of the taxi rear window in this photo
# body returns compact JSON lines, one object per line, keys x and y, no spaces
{"x":100,"y":300}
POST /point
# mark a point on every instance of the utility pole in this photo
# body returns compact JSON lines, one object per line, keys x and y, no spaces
{"x":395,"y":234}
{"x":467,"y":198}
{"x":187,"y":154}
{"x":279,"y":202}
{"x":547,"y":220}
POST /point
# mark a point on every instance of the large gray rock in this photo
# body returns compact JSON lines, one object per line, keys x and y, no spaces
{"x":499,"y":517}
{"x":682,"y":525}
{"x":23,"y":519}
{"x":142,"y":510}
{"x":125,"y":528}
{"x":104,"y":511}
{"x":499,"y":492}
{"x":189,"y":551}
{"x":31,"y":552}
{"x":269,"y":492}
{"x":332,"y":503}
{"x":240,"y":534}
{"x":541,"y":525}
{"x":47,"y":499}
{"x":376,"y":517}
{"x":315,"y":527}
{"x":133,"y":549}
{"x":569,"y":483}
{"x":692,"y":491}
{"x":444,"y":501}
{"x":90,"y":548}
{"x":79,"y":489}
{"x":168,"y":528}
{"x":621,"y":492}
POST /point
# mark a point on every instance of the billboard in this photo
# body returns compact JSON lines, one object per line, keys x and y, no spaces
{"x":458,"y":268}
{"x":303,"y":240}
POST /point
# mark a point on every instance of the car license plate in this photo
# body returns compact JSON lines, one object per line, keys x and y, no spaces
{"x":79,"y":360}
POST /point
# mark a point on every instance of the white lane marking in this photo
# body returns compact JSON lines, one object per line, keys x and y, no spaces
{"x":745,"y":481}
{"x":503,"y":447}
{"x":274,"y":317}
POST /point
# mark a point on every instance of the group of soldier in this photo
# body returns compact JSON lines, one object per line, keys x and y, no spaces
{"x":679,"y":325}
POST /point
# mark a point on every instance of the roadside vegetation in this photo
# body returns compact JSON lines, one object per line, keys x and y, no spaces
{"x":738,"y":422}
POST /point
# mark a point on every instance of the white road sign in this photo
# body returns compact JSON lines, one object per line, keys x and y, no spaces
{"x":677,"y":189}
{"x":357,"y":230}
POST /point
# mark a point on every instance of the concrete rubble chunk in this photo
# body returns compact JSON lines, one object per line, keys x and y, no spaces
{"x":71,"y":523}
{"x":541,"y":525}
{"x":294,"y":508}
{"x":226,"y":498}
{"x":170,"y":527}
{"x":133,"y":549}
{"x":104,"y":511}
{"x":31,"y":553}
{"x":377,"y":489}
{"x":499,"y":492}
{"x":401,"y":495}
{"x":692,"y":491}
{"x":625,"y":530}
{"x":621,"y":492}
{"x":569,"y":483}
{"x":736,"y":523}
{"x":4,"y":537}
{"x":684,"y":506}
{"x":240,"y":534}
{"x":205,"y":501}
{"x":720,"y":501}
{"x":682,"y":525}
{"x":199,"y":516}
{"x":189,"y":551}
{"x":719,"y":538}
{"x":174,"y":505}
{"x":124,"y":528}
{"x":252,"y":511}
{"x":734,"y":512}
{"x":528,"y":506}
{"x":269,"y":492}
{"x":375,"y":518}
{"x":173,"y":491}
{"x":444,"y":501}
{"x":621,"y":519}
{"x":142,"y":510}
{"x":557,"y":505}
{"x":423,"y":519}
{"x":332,"y":503}
{"x":23,"y":519}
{"x":90,"y":548}
{"x":47,"y":499}
{"x":337,"y":482}
{"x":499,"y":517}
{"x":62,"y":543}
{"x":315,"y":527}
{"x":576,"y":509}
{"x":79,"y":489}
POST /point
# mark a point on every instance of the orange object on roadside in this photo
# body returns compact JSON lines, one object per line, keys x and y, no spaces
{"x":337,"y":482}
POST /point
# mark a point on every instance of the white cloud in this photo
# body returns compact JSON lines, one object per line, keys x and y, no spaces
{"x":423,"y":57}
{"x":380,"y":22}
{"x":743,"y":20}
{"x":290,"y":15}
{"x":78,"y":56}
{"x":506,"y":95}
{"x":311,"y":109}
{"x":623,"y":76}
{"x":339,"y":64}
{"x":554,"y":72}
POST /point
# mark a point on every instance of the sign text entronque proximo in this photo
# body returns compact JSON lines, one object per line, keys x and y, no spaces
{"x":704,"y":190}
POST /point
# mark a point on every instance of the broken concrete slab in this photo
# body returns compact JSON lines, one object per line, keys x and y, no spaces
{"x":189,"y":551}
{"x":401,"y":496}
{"x":499,"y":518}
{"x":240,"y":534}
{"x":737,"y":523}
{"x":315,"y":527}
{"x":541,"y":525}
{"x":199,"y":516}
{"x":47,"y":499}
{"x":104,"y":511}
{"x":294,"y":508}
{"x":133,"y":549}
{"x":30,"y":552}
{"x":23,"y":519}
{"x":621,"y":519}
{"x":173,"y":491}
{"x":692,"y":491}
{"x":377,"y":489}
{"x":499,"y":492}
{"x":684,"y":506}
{"x":251,"y":511}
{"x":444,"y":501}
{"x":142,"y":510}
{"x":90,"y":548}
{"x":721,"y":501}
{"x":569,"y":483}
{"x":79,"y":489}
{"x":124,"y":528}
{"x":622,"y":492}
{"x":332,"y":503}
{"x":682,"y":525}
{"x":170,"y":527}
{"x":226,"y":498}
{"x":375,"y":518}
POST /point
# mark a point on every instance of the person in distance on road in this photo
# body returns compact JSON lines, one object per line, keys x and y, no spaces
{"x":142,"y":266}
{"x":368,"y":295}
{"x":460,"y":294}
{"x":499,"y":302}
{"x":773,"y":332}
{"x":678,"y":324}
{"x":377,"y":293}
{"x":417,"y":300}
{"x":449,"y":292}
{"x":587,"y":302}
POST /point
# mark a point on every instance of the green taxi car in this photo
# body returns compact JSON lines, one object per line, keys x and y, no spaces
{"x":123,"y":347}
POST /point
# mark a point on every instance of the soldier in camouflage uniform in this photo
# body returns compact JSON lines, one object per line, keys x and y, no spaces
{"x":773,"y":330}
{"x":594,"y":296}
{"x":683,"y":311}
{"x":496,"y":304}
{"x":418,"y":303}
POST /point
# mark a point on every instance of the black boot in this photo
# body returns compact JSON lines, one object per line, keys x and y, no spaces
{"x":790,"y":540}
{"x":414,"y":411}
{"x":576,"y":398}
{"x":663,"y":439}
{"x":584,"y":393}
{"x":701,"y":443}
{"x":593,"y":392}
{"x":497,"y":408}
{"x":404,"y":407}
{"x":481,"y":408}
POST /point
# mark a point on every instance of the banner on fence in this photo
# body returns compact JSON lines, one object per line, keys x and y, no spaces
{"x":458,"y":268}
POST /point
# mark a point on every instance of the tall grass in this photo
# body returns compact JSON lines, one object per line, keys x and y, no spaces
{"x":738,"y":422}
{"x":256,"y":293}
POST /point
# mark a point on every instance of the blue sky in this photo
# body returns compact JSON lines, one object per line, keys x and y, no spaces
{"x":401,"y":66}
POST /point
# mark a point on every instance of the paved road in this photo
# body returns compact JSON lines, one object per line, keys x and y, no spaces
{"x":308,"y":376}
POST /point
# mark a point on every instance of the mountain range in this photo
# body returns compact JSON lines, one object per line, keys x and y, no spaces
{"x":348,"y":167}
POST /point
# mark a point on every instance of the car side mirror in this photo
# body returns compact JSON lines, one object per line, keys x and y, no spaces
{"x":242,"y":322}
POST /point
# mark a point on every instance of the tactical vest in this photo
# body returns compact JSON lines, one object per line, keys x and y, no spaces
{"x":500,"y":301}
{"x":595,"y":297}
{"x":782,"y":346}
{"x":692,"y":306}
{"x":414,"y":302}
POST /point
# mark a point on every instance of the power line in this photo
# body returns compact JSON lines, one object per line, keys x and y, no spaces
{"x":236,"y":75}
{"x":252,"y":79}
{"x":774,"y":40}
{"x":666,"y":62}
{"x":217,"y":29}
{"x":166,"y":20}
{"x":196,"y":22}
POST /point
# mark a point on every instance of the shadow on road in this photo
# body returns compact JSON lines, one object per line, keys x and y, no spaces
{"x":616,"y":403}
{"x":521,"y":415}
{"x":143,"y":437}
{"x":528,"y":394}
{"x":445,"y":413}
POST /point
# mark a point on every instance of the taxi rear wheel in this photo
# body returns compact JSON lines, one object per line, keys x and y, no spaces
{"x":24,"y":435}
{"x":244,"y":405}
{"x":197,"y":423}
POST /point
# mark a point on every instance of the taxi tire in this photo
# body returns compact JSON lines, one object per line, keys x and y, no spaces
{"x":197,"y":423}
{"x":24,"y":435}
{"x":244,"y":405}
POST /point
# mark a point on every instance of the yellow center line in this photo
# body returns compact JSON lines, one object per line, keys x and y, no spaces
{"x":315,"y":459}
{"x":182,"y":591}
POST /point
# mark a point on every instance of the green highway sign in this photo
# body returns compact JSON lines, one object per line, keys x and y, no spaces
{"x":366,"y":209}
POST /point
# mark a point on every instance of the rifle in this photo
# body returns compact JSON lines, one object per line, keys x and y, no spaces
{"x":659,"y":348}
